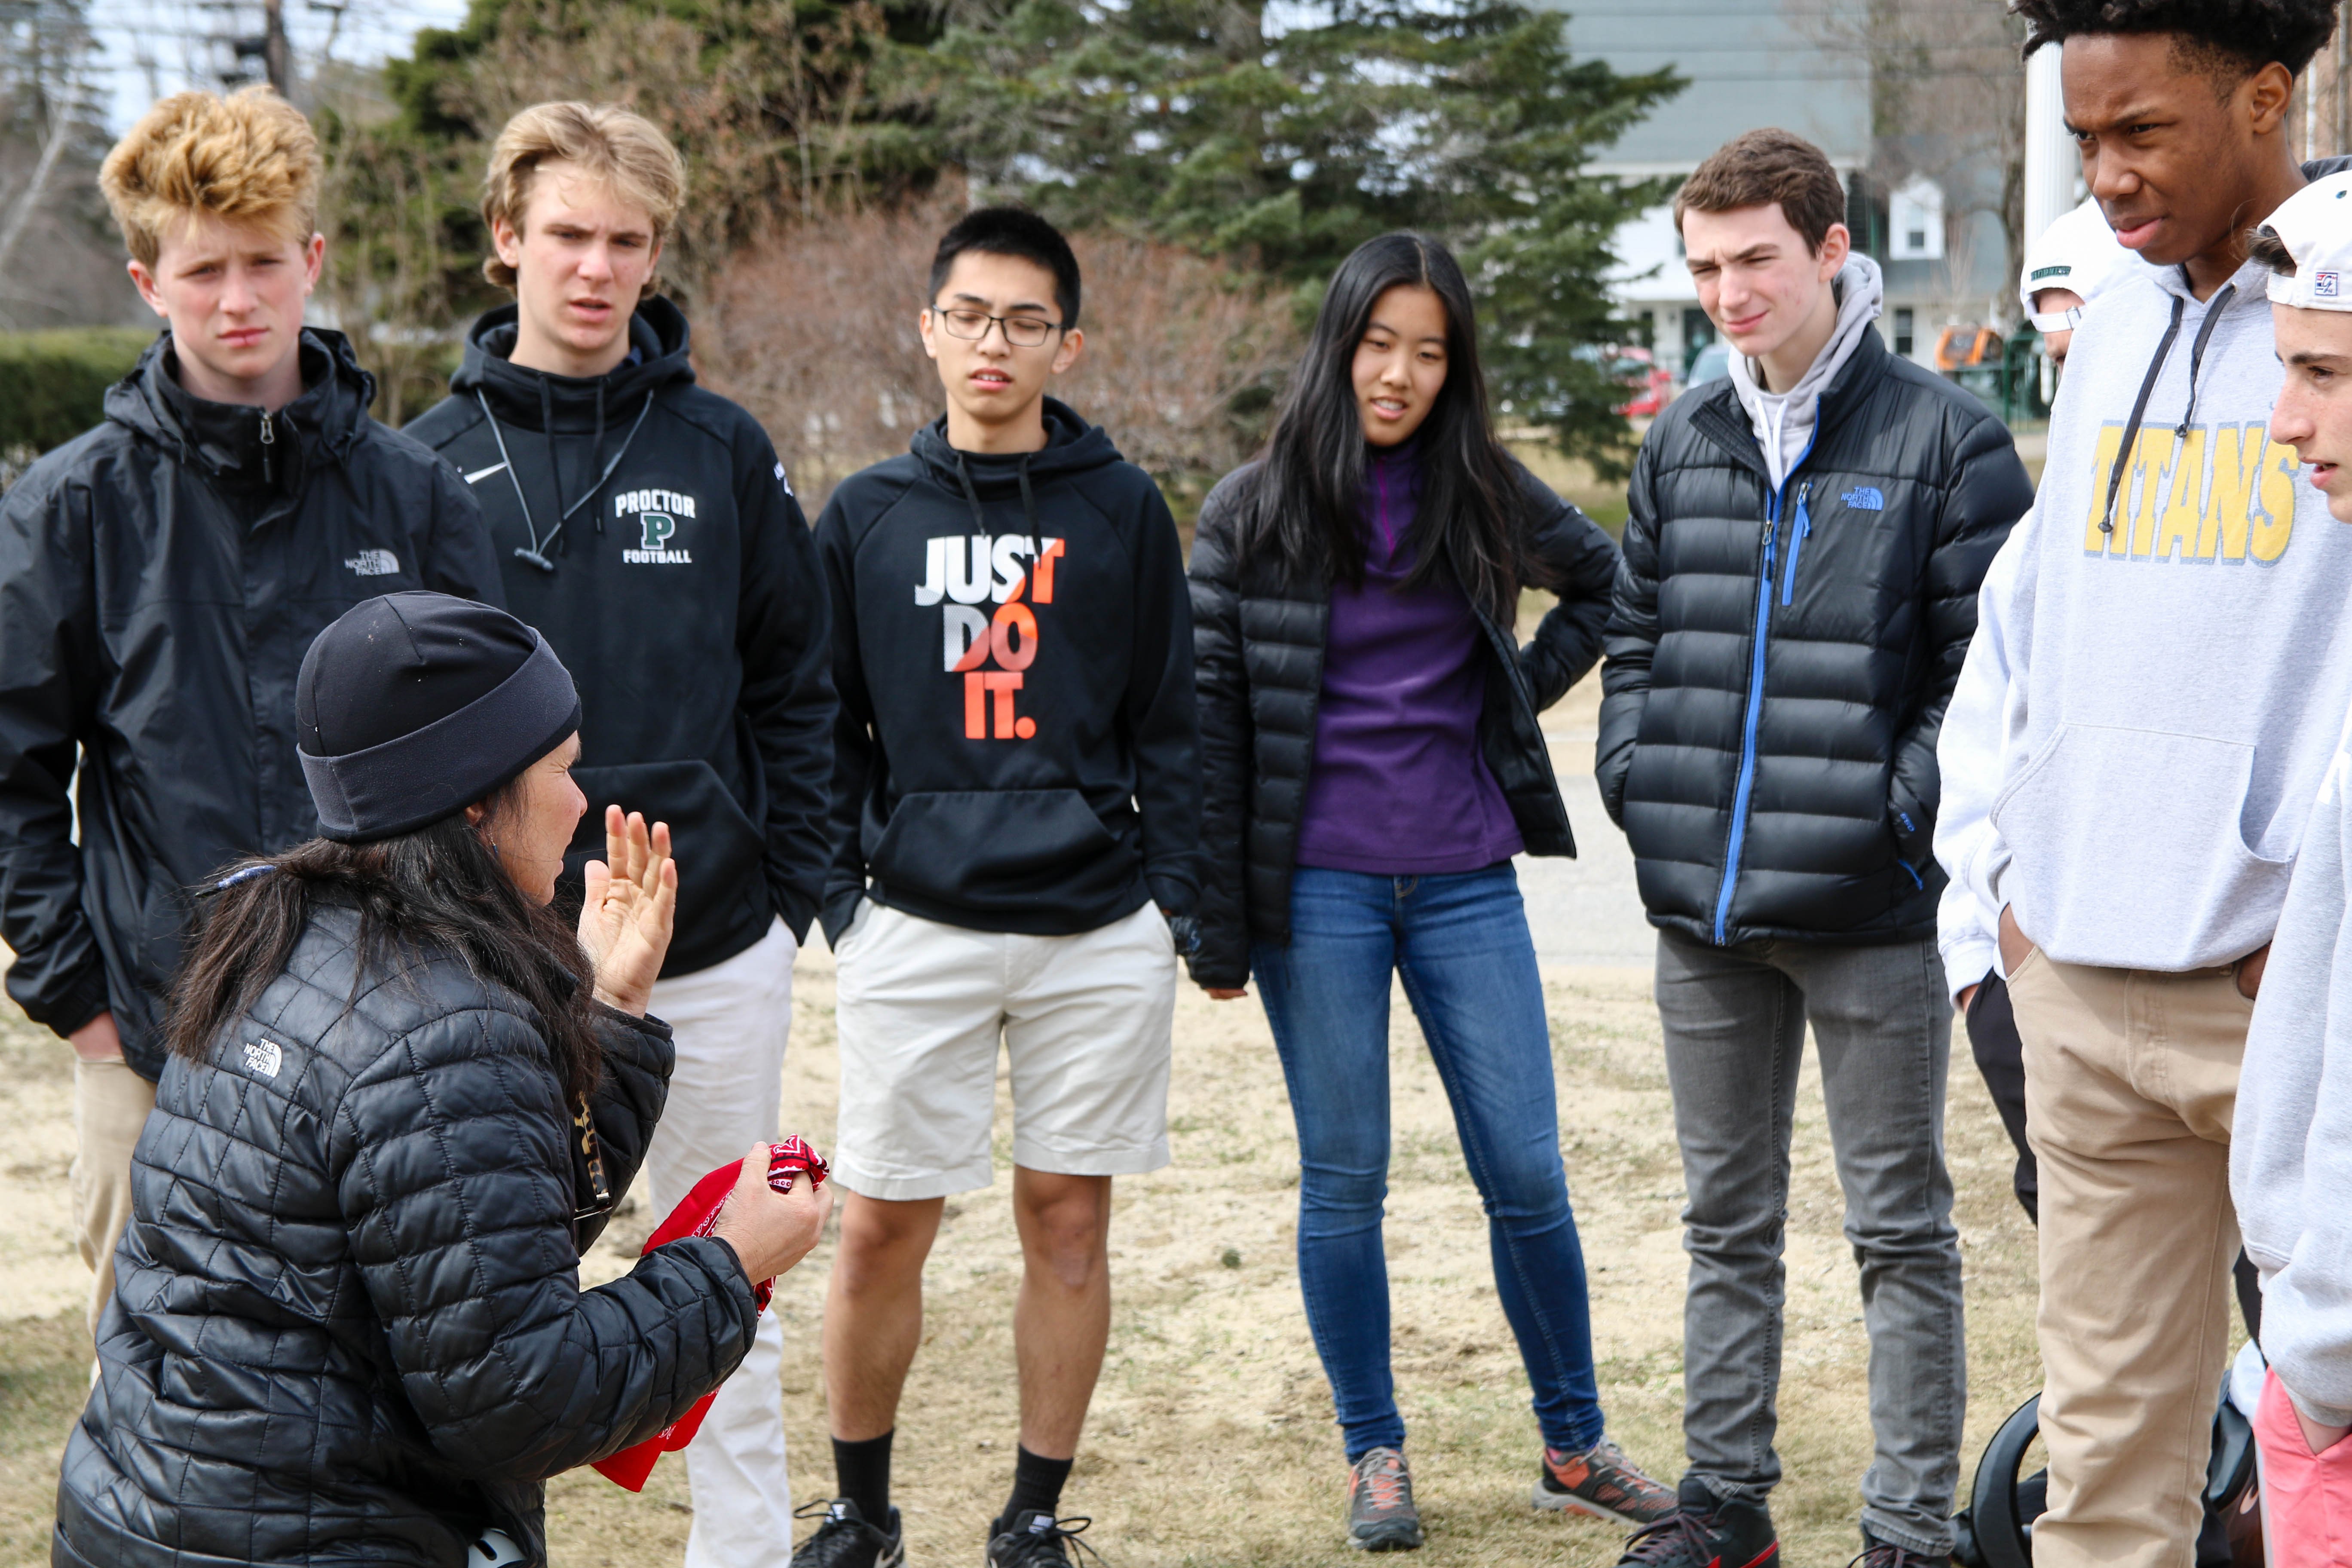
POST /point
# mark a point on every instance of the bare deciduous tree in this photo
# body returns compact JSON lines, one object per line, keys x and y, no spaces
{"x":814,"y":330}
{"x":1948,"y":98}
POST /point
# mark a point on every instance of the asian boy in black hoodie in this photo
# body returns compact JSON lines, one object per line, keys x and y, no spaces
{"x":1015,"y":811}
{"x":647,"y":529}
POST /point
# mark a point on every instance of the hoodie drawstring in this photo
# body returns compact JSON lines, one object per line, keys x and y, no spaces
{"x":1028,"y":502}
{"x":596,"y":450}
{"x":554,"y":463}
{"x":536,"y":551}
{"x":2196,"y":354}
{"x":2139,"y":411}
{"x":970,"y":496}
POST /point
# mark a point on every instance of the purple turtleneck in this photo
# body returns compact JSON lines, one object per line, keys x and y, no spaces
{"x":1399,"y":787}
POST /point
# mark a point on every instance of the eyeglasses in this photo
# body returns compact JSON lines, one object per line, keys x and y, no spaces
{"x":1021,"y":332}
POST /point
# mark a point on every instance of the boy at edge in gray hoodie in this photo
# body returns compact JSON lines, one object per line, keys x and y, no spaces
{"x":2290,"y":1146}
{"x":2126,"y":809}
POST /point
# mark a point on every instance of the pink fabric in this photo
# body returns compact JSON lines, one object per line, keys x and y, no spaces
{"x":2306,"y":1496}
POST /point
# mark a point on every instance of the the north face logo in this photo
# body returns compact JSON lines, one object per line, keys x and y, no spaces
{"x":1864,"y":497}
{"x":373,"y":564}
{"x":264,"y":1056}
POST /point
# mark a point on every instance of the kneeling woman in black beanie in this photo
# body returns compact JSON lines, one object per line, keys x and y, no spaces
{"x":347,"y":1325}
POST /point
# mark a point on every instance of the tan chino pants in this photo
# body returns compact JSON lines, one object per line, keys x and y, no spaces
{"x":111,"y":1107}
{"x":2130,"y":1080}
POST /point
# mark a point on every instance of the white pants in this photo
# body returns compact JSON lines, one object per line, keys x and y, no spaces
{"x":729,"y":1022}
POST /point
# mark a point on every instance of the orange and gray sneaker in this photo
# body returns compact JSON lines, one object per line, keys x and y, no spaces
{"x":1381,"y":1515}
{"x":1602,"y":1482}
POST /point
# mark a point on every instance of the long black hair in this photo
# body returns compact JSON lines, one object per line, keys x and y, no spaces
{"x":440,"y":888}
{"x":1470,"y":520}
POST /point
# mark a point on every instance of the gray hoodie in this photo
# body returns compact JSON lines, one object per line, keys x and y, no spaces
{"x":2291,"y":1149}
{"x":1784,"y":420}
{"x":2138,"y":786}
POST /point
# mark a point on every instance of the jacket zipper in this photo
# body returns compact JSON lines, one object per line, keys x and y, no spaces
{"x":1797,"y":541}
{"x":269,"y":450}
{"x":1747,"y":785}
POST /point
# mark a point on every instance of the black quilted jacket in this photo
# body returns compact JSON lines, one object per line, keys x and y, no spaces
{"x":1258,"y":634}
{"x":347,"y":1325}
{"x":1778,"y":665}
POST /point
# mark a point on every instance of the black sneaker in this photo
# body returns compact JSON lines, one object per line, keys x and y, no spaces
{"x":1877,"y":1553}
{"x":1035,"y":1539}
{"x":846,"y":1541}
{"x":1380,"y":1514}
{"x":1705,"y":1532}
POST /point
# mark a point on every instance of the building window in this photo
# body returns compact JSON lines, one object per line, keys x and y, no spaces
{"x":1914,"y":218}
{"x":1903,"y":330}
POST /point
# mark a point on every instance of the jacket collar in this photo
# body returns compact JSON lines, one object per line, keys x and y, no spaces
{"x":1720,"y":419}
{"x":224,"y":439}
{"x":660,"y":355}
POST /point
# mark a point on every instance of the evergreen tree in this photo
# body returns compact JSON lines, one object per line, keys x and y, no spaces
{"x":1283,"y":139}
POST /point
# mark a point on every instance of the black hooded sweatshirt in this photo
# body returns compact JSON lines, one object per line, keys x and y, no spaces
{"x":160,"y":578}
{"x":1013,"y":640}
{"x":683,"y":595}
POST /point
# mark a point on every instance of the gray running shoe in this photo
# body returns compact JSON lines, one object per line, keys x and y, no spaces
{"x":1381,"y":1515}
{"x":1601,"y":1482}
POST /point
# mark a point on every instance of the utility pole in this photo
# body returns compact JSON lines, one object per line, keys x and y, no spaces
{"x":273,"y":47}
{"x":2051,"y":161}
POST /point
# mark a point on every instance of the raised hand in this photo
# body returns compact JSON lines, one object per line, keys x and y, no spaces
{"x":632,"y":903}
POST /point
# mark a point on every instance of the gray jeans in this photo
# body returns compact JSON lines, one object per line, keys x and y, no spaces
{"x":1735,"y":1025}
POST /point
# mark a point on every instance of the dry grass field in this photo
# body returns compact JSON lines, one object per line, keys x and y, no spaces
{"x":1211,"y":1442}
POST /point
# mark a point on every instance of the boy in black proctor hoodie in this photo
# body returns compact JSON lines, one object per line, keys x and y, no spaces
{"x":1015,"y":811}
{"x":647,"y":529}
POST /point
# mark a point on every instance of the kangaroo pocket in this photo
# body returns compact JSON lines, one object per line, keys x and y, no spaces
{"x":1004,"y":854}
{"x":722,"y":889}
{"x":2127,"y":849}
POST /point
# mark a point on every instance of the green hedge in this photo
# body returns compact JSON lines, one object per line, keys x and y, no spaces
{"x":53,"y":385}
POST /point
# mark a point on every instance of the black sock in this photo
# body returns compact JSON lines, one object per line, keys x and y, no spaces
{"x":1036,"y":1485}
{"x":862,"y":1471}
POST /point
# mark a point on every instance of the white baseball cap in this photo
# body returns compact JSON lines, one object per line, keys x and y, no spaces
{"x":2316,"y":225}
{"x":2078,"y":252}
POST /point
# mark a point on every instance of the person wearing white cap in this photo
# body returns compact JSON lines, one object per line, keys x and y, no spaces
{"x":2065,"y":267}
{"x":2290,"y":1144}
{"x":2127,"y":807}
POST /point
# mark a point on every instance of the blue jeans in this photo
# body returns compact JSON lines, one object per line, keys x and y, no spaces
{"x":1460,"y":944}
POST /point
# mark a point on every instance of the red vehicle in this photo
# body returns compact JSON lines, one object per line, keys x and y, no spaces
{"x":1652,"y":383}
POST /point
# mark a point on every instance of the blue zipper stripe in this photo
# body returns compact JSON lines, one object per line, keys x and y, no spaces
{"x":1747,"y":785}
{"x":1797,"y":541}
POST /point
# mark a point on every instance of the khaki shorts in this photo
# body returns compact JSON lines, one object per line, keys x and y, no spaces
{"x":1086,"y":1022}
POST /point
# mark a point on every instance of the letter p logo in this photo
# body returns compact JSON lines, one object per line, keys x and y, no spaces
{"x":658,"y":526}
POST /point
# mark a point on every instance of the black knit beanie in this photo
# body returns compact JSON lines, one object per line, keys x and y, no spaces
{"x":414,"y":706}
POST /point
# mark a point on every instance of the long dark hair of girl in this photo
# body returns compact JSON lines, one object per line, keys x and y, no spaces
{"x":1470,"y":519}
{"x":439,"y":889}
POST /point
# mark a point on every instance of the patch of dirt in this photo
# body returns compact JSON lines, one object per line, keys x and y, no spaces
{"x":1210,"y":1441}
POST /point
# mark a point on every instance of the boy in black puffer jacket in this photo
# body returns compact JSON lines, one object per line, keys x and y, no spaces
{"x":1801,"y":563}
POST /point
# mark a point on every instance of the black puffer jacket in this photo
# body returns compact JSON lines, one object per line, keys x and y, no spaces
{"x":1779,"y":666}
{"x":1258,"y":634}
{"x":347,"y":1325}
{"x":160,"y":578}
